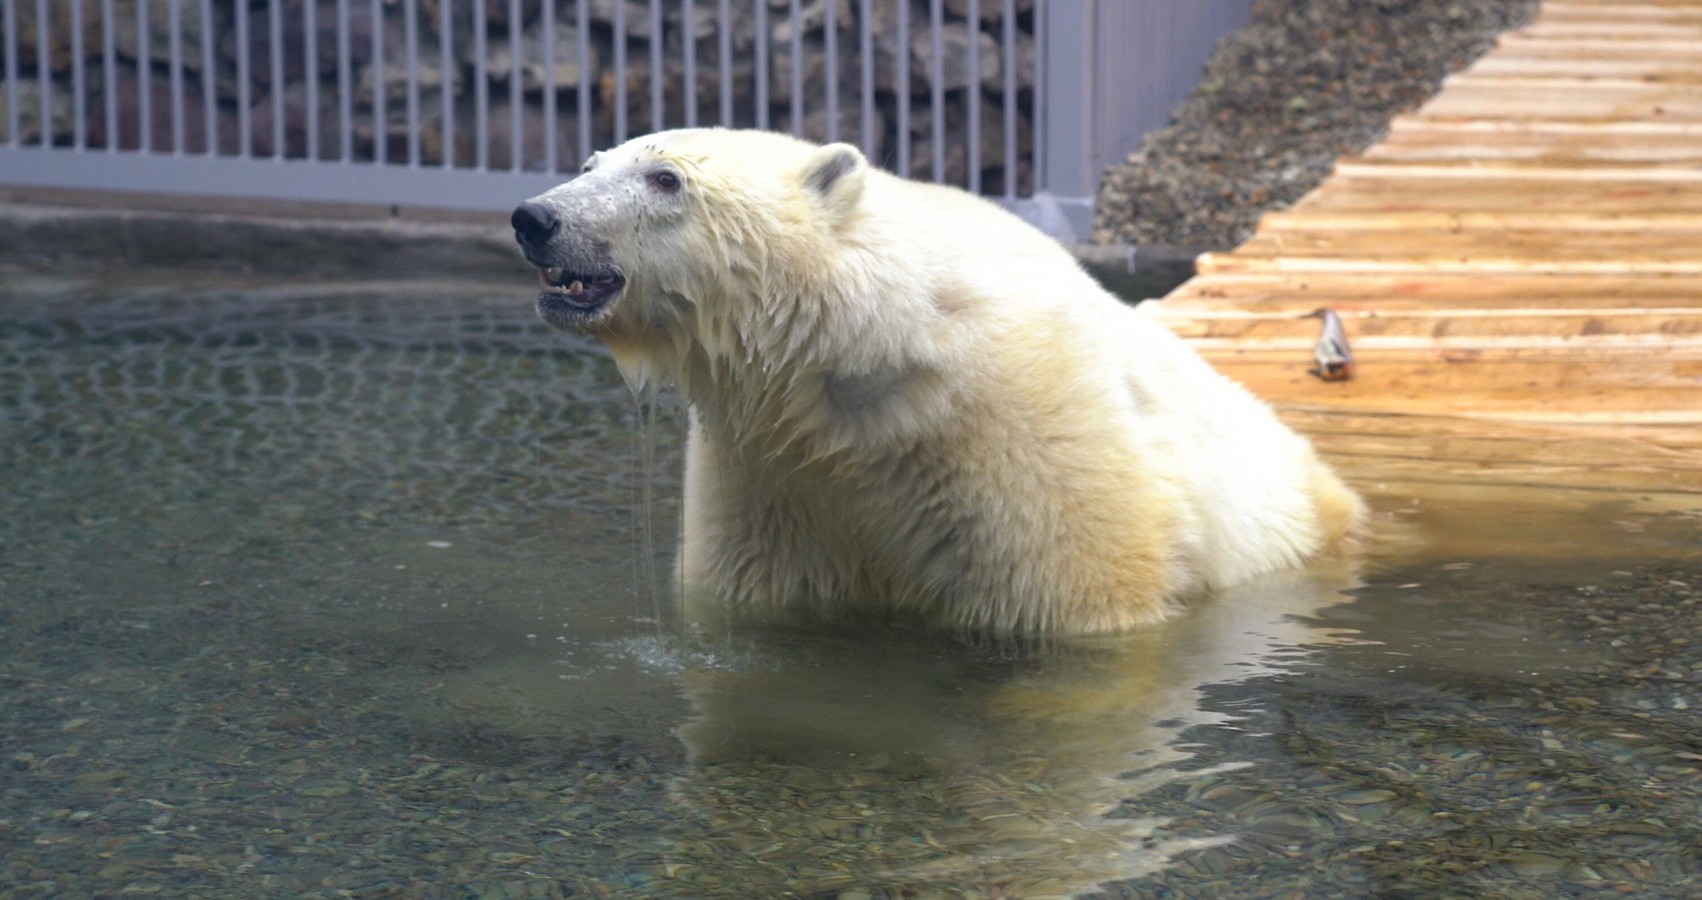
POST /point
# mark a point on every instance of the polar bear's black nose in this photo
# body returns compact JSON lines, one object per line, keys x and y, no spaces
{"x":533,"y":223}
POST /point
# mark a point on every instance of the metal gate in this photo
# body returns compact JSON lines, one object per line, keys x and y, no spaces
{"x":473,"y":103}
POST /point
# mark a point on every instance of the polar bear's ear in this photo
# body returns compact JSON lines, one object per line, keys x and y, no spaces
{"x":834,"y":177}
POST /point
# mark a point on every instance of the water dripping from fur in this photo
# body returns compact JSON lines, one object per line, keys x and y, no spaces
{"x":646,"y":576}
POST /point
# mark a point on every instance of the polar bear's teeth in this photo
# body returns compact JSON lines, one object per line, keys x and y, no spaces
{"x":577,"y":287}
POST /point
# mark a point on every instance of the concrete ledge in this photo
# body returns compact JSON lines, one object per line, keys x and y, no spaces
{"x":366,"y":242}
{"x":44,"y":239}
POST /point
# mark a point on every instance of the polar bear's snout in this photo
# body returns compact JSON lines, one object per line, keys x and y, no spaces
{"x":534,"y":224}
{"x":580,"y":281}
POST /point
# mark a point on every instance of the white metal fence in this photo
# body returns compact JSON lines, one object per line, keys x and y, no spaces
{"x":474,"y":103}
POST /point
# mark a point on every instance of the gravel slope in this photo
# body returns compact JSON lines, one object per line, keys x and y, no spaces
{"x":1303,"y":83}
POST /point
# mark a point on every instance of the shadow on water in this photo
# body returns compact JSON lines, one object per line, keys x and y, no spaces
{"x":336,"y":592}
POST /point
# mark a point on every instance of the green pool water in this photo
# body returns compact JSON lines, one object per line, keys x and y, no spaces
{"x":342,"y":591}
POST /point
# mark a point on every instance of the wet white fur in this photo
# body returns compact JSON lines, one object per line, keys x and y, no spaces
{"x":907,"y":401}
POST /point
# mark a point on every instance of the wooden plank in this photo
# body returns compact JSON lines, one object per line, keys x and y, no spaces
{"x":1439,"y":264}
{"x":1377,"y":330}
{"x":1520,"y":45}
{"x":1603,"y":131}
{"x":1678,"y":252}
{"x":1489,"y":223}
{"x":1453,"y":192}
{"x":1554,"y":12}
{"x":1547,"y":170}
{"x":1630,"y":388}
{"x":1490,"y":98}
{"x":1439,"y":295}
{"x":1440,"y":141}
{"x":1680,"y":70}
{"x":1604,"y":28}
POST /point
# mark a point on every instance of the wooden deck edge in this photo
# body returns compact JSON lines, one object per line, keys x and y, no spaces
{"x":1418,"y":122}
{"x":1215,"y":264}
{"x":1282,"y":221}
{"x":1508,"y":170}
{"x":1170,"y":309}
{"x":1507,"y":347}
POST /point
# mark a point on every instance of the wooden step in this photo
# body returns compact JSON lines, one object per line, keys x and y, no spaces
{"x":1628,"y":387}
{"x":1629,"y":68}
{"x":1513,"y":171}
{"x":1557,"y":12}
{"x":1675,"y":26}
{"x":1427,"y":141}
{"x":1522,"y":45}
{"x":1432,"y":189}
{"x":1372,"y":330}
{"x":1486,"y":223}
{"x":1432,"y":294}
{"x":1547,"y":251}
{"x":1472,"y":99}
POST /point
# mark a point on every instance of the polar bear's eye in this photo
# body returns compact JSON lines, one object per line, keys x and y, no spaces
{"x":665,"y":181}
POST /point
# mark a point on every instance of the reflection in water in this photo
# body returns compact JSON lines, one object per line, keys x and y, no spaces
{"x":827,"y":761}
{"x":977,"y":771}
{"x":332,"y":592}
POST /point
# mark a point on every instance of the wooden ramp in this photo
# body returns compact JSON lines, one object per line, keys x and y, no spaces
{"x":1526,"y":246}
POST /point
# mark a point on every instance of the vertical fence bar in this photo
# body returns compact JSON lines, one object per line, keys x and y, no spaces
{"x":44,"y":72}
{"x":411,"y":50}
{"x":972,"y":115}
{"x":866,"y":95}
{"x":903,"y":92}
{"x":144,"y":82}
{"x":937,"y":95}
{"x":549,"y":27}
{"x":209,"y":82}
{"x":174,"y":71}
{"x":9,"y":17}
{"x":1009,"y":109}
{"x":582,"y":95}
{"x":446,"y":68}
{"x":761,"y":64}
{"x":79,"y":104}
{"x":310,"y":62}
{"x":244,"y":114}
{"x":658,"y":111}
{"x":275,"y":19}
{"x":1040,"y":127}
{"x":797,"y":69}
{"x":345,"y":100}
{"x":516,"y":73}
{"x":109,"y":71}
{"x":380,"y":86}
{"x":481,"y":91}
{"x":688,"y":57}
{"x":724,"y":46}
{"x":620,"y":71}
{"x":831,"y":42}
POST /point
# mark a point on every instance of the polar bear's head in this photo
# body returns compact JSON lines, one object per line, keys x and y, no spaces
{"x":664,"y":233}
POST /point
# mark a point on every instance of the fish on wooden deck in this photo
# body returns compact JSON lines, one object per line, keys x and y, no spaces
{"x":1335,"y":357}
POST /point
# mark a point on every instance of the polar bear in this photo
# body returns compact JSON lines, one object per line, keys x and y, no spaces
{"x":907,"y":402}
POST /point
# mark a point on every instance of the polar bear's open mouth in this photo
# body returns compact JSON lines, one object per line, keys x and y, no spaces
{"x":573,"y":299}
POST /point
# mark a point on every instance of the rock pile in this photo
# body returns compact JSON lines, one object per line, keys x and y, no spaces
{"x":1302,"y":84}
